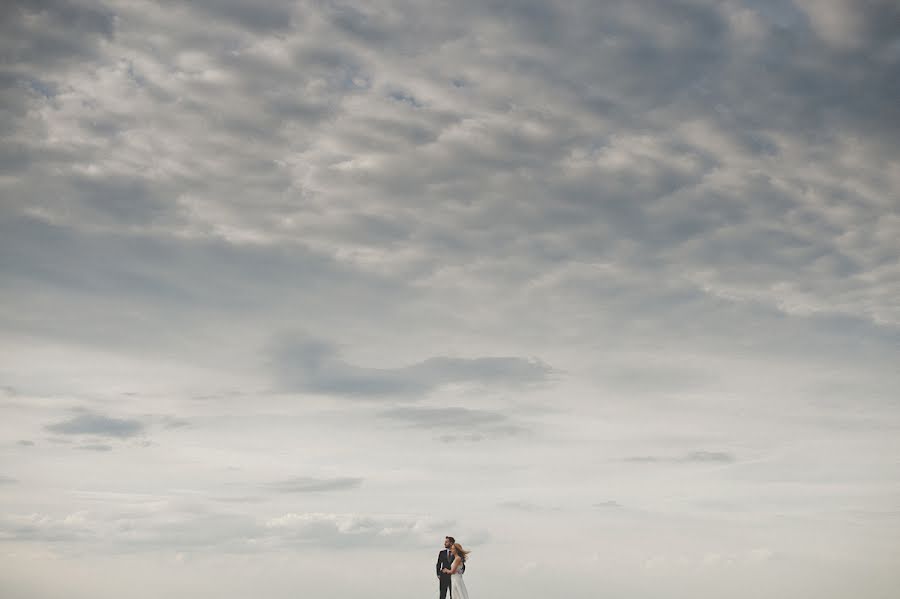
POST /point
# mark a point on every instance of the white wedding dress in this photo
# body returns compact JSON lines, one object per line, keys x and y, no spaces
{"x":457,"y":586}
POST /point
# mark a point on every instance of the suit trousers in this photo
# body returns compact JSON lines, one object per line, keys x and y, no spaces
{"x":445,"y":586}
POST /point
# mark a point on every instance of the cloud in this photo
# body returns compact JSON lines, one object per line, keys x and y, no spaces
{"x":444,"y":417}
{"x":355,"y":530}
{"x":694,"y":457}
{"x":708,"y":456}
{"x":41,"y":527}
{"x":646,"y":377}
{"x":7,"y":480}
{"x":316,"y":366}
{"x":305,"y":484}
{"x":274,"y":16}
{"x":457,"y":423}
{"x":95,"y":447}
{"x":151,"y":524}
{"x":146,"y":526}
{"x":174,"y":422}
{"x":89,"y":423}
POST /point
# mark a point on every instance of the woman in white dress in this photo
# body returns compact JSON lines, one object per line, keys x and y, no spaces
{"x":457,"y":585}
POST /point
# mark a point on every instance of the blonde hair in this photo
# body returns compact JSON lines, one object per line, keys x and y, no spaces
{"x":458,"y":550}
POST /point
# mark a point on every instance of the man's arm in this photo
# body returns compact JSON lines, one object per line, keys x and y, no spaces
{"x":437,"y":566}
{"x":454,"y":567}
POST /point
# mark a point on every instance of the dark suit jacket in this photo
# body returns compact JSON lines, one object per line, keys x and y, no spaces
{"x":444,"y":561}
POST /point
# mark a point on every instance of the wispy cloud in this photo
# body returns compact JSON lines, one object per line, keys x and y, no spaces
{"x":457,"y":423}
{"x":95,"y":447}
{"x":355,"y":530}
{"x":694,"y":457}
{"x":305,"y":484}
{"x":89,"y":423}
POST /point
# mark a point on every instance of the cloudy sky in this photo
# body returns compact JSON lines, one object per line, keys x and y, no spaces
{"x":610,"y":291}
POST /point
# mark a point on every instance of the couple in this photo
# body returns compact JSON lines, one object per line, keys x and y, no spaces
{"x":451,"y":564}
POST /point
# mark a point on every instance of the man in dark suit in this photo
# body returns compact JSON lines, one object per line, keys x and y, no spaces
{"x":445,"y":560}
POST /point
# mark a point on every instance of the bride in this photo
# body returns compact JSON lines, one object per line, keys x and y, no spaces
{"x":457,"y":586}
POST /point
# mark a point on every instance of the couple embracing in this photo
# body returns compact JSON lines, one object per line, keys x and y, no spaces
{"x":451,"y":564}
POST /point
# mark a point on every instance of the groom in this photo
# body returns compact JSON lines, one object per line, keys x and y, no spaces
{"x":445,"y":561}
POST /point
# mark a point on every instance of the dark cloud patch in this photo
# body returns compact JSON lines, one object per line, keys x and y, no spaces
{"x":7,"y":480}
{"x":709,"y":457}
{"x":305,"y":484}
{"x":694,"y":457}
{"x":316,"y":366}
{"x":260,"y":18}
{"x":100,"y":447}
{"x":25,"y":443}
{"x":47,"y":34}
{"x":88,"y":423}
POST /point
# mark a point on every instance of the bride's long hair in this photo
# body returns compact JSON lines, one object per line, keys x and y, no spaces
{"x":458,"y":550}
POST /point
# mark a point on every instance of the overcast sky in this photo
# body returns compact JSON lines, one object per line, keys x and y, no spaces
{"x":608,"y":290}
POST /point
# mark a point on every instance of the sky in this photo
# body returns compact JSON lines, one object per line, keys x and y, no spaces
{"x":609,"y":291}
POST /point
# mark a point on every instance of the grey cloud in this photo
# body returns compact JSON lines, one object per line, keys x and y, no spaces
{"x":173,"y":280}
{"x":444,"y":417}
{"x":708,"y":456}
{"x":694,"y":457}
{"x":262,"y":18}
{"x":101,"y":447}
{"x":40,"y":32}
{"x":657,"y":379}
{"x":7,"y":480}
{"x":173,"y":422}
{"x":25,"y":443}
{"x":122,"y":200}
{"x":316,"y":366}
{"x":457,"y":424}
{"x":305,"y":484}
{"x":639,"y":196}
{"x":97,"y":424}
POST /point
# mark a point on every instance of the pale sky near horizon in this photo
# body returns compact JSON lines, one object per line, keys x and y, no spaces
{"x":610,"y":291}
